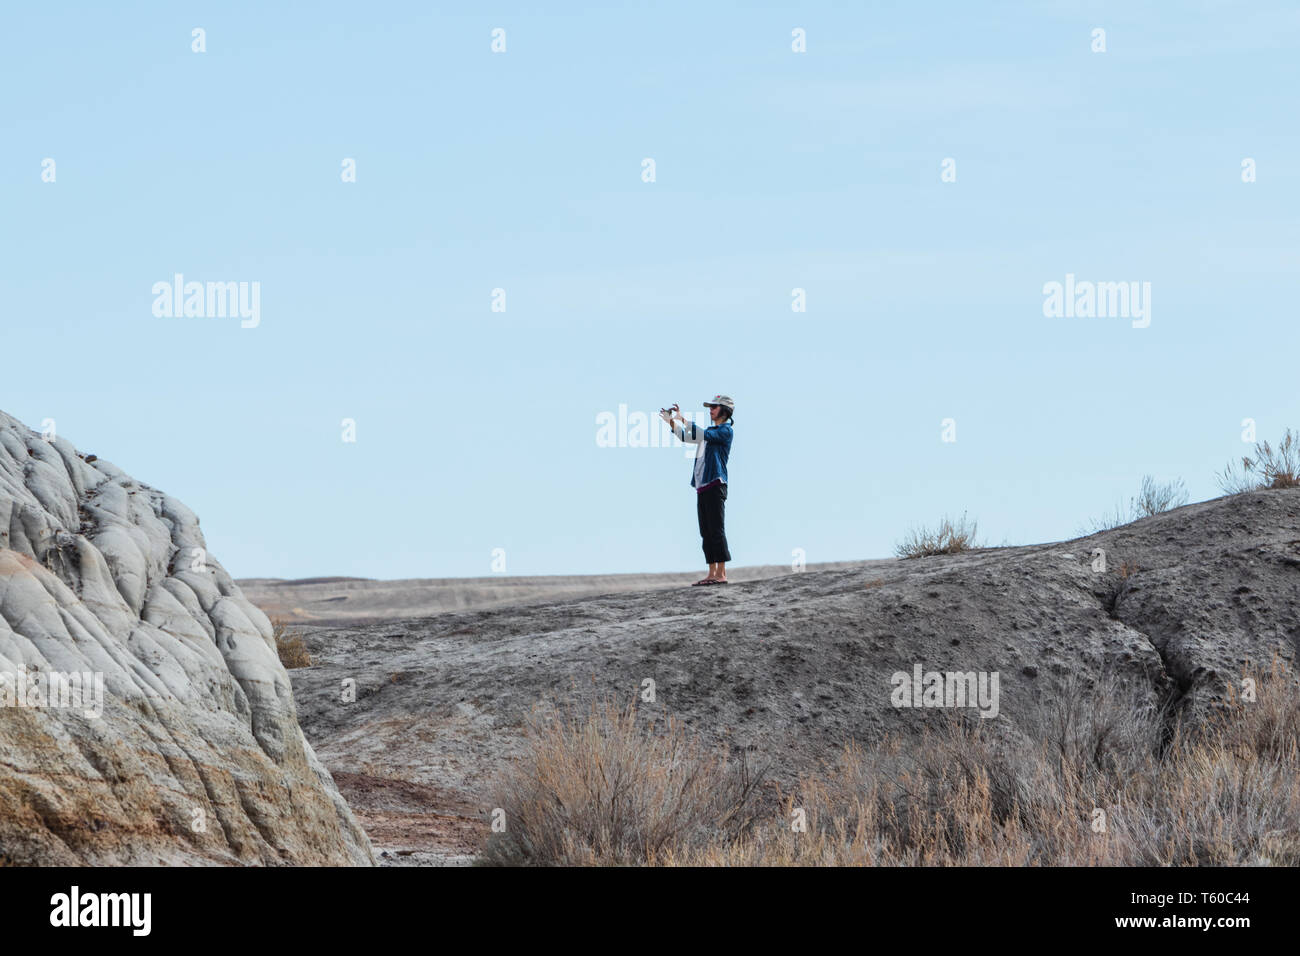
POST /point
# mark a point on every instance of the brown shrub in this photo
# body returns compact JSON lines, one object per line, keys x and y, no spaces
{"x":599,"y":788}
{"x":1095,"y":776}
{"x":289,"y":645}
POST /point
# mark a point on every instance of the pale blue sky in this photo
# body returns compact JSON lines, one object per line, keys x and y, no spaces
{"x":477,"y":430}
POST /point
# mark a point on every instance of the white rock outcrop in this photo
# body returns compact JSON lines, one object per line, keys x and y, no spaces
{"x":197,"y":755}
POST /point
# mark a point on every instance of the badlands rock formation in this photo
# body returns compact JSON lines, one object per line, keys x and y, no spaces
{"x":195,"y":754}
{"x":791,"y":668}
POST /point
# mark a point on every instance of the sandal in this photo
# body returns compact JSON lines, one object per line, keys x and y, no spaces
{"x":702,"y":581}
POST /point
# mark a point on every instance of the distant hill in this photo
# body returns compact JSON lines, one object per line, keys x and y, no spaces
{"x":360,"y":600}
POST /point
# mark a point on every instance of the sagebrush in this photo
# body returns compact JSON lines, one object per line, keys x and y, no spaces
{"x":603,"y":786}
{"x":1270,"y":467}
{"x":1097,"y":774}
{"x":949,"y":537}
{"x":289,"y":644}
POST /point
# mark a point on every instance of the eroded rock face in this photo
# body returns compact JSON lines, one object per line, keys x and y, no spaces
{"x":197,"y":755}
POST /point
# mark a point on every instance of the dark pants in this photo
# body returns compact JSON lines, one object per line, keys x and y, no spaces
{"x":709,"y":505}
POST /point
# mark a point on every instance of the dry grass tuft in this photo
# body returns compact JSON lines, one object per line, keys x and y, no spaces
{"x":1156,"y":497}
{"x":289,"y":645}
{"x":1270,"y":468}
{"x":1153,"y":498}
{"x":951,"y":537}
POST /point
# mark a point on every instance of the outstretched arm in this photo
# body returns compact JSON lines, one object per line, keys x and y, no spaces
{"x":689,"y":432}
{"x":684,"y":430}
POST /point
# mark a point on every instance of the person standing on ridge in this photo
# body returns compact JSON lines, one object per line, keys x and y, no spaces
{"x":709,"y":478}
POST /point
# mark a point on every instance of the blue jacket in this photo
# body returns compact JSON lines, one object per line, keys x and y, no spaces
{"x":711,"y":456}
